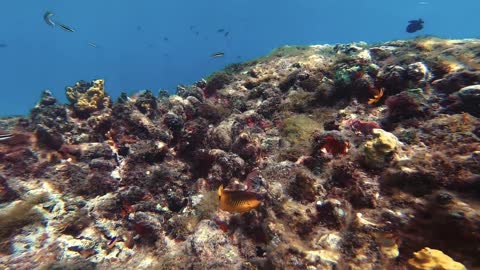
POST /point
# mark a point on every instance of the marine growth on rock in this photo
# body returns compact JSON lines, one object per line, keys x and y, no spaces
{"x":352,"y":156}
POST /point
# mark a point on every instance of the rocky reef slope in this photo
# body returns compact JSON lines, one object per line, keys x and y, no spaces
{"x":364,"y":157}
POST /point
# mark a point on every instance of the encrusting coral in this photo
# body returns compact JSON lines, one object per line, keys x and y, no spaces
{"x":88,"y":97}
{"x":378,"y":151}
{"x":433,"y":259}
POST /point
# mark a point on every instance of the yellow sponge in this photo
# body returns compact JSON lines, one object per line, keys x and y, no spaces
{"x":433,"y":259}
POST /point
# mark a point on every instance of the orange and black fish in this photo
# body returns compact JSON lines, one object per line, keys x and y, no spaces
{"x":238,"y":201}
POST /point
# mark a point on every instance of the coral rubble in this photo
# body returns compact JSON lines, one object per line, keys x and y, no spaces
{"x":351,"y":156}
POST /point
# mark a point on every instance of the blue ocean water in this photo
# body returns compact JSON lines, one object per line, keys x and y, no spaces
{"x":159,"y":44}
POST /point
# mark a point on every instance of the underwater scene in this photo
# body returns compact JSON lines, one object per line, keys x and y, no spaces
{"x":240,"y":134}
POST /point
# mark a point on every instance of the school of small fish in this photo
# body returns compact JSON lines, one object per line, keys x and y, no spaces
{"x":413,"y":26}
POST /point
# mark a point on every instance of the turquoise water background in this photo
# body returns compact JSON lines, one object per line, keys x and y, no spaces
{"x":132,"y":53}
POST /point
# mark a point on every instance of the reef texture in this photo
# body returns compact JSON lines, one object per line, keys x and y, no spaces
{"x":363,"y":156}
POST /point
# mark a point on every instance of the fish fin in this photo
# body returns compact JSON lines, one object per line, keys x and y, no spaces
{"x":220,"y":191}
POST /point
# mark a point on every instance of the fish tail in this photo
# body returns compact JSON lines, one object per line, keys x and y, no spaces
{"x":220,"y":191}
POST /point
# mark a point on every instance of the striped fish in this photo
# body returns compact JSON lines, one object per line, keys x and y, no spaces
{"x":238,"y":201}
{"x":4,"y":137}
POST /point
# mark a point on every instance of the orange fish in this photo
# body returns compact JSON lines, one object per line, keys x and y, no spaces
{"x":376,"y":97}
{"x":238,"y":201}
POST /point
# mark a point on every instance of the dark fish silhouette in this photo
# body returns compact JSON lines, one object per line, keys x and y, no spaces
{"x":226,"y":34}
{"x":414,"y":25}
{"x":220,"y":30}
{"x":66,"y":28}
{"x":3,"y":45}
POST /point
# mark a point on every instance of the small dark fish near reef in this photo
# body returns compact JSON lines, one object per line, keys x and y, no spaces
{"x":238,"y":201}
{"x":414,"y":25}
{"x":218,"y":54}
{"x":66,"y":28}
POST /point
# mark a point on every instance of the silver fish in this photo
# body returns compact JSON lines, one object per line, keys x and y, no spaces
{"x":47,"y":18}
{"x":4,"y":137}
{"x":218,"y":54}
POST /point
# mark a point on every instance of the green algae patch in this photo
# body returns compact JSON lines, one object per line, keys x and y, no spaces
{"x":300,"y":101}
{"x":298,"y":129}
{"x":208,"y":204}
{"x":281,"y":52}
{"x":303,"y":52}
{"x":287,"y":51}
{"x":18,"y":214}
{"x":235,"y":68}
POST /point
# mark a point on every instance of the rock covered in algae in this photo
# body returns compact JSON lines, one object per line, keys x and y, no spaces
{"x":470,"y":93}
{"x":208,"y":243}
{"x":126,"y":183}
{"x":433,"y":259}
{"x":378,"y":150}
{"x":88,"y":97}
{"x":470,"y":99}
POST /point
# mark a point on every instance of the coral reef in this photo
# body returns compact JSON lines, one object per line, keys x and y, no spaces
{"x":378,"y":151}
{"x":88,"y":97}
{"x":352,"y":156}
